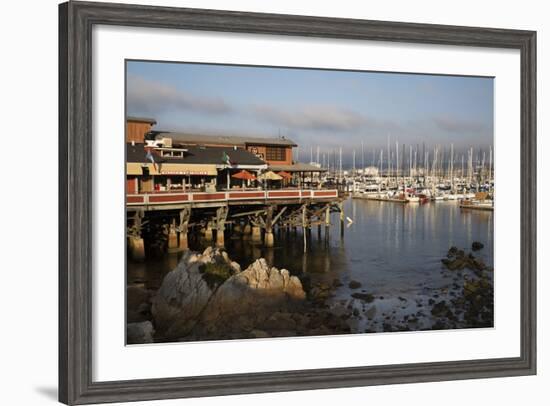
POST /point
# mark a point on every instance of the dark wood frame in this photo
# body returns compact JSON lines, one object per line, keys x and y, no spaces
{"x":76,"y":20}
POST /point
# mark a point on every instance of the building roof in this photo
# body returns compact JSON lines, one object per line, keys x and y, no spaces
{"x":198,"y":155}
{"x":297,"y":167}
{"x":202,"y":139}
{"x":149,"y":120}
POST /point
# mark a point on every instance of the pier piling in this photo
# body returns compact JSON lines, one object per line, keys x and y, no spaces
{"x":173,"y":245}
{"x":256,"y":234}
{"x":185,"y":215}
{"x":137,"y":248}
{"x":208,"y":231}
{"x":221,"y":216}
{"x":136,"y":244}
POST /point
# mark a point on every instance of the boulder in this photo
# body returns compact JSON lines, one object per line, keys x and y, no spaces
{"x":250,"y":297}
{"x":207,"y":293}
{"x":184,"y":293}
{"x":180,"y":300}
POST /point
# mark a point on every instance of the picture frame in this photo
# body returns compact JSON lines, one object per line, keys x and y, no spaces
{"x":76,"y":20}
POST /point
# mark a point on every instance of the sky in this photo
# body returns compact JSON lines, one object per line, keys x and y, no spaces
{"x":329,"y":109}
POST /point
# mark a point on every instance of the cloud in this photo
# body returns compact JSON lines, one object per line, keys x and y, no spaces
{"x":150,"y":96}
{"x":320,"y":118}
{"x":457,"y":125}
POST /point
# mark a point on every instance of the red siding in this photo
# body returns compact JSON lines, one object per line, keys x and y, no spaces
{"x":208,"y":196}
{"x":168,"y":198}
{"x":236,"y":195}
{"x":284,"y":194}
{"x":134,"y":199}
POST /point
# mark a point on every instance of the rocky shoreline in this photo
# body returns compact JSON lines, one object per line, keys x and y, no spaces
{"x":208,"y":297}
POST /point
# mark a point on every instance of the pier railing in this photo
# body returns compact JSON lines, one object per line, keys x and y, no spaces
{"x":144,"y":199}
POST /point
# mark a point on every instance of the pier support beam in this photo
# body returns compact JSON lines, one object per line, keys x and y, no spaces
{"x":256,"y":234}
{"x":221,"y":216}
{"x":173,"y":246}
{"x":342,"y":217}
{"x":136,"y":245}
{"x":208,"y":231}
{"x":185,"y":216}
{"x":269,"y":239}
{"x":327,"y":220}
{"x":304,"y":226}
{"x":237,"y":229}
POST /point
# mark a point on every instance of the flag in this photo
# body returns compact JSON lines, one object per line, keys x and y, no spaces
{"x":226,"y":160}
{"x":149,"y":156}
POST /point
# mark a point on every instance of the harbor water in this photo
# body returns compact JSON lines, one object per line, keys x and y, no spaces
{"x":393,"y":250}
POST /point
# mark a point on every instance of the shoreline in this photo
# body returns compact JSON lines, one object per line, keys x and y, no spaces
{"x":323,"y":309}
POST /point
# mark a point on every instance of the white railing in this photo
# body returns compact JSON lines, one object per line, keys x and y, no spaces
{"x":230,"y":195}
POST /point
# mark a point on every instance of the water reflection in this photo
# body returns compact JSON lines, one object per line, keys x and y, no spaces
{"x":390,"y":248}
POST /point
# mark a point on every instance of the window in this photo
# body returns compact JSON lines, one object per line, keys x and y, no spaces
{"x":275,"y":153}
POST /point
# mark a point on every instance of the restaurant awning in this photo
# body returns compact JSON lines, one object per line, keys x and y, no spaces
{"x":136,"y":168}
{"x":270,"y":176}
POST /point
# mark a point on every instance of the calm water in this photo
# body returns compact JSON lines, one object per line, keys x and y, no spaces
{"x":390,"y":248}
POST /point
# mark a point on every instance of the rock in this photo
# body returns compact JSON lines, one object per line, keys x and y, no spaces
{"x":476,"y":246}
{"x":139,"y":333}
{"x":320,"y":292}
{"x":182,"y":297}
{"x":354,"y":284}
{"x":235,"y":266}
{"x":371,"y":312}
{"x":367,"y":297}
{"x":255,"y":293}
{"x":280,"y":321}
{"x":337,"y":283}
{"x":259,"y":334}
{"x":440,"y":309}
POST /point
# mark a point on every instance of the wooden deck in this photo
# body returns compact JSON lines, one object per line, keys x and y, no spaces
{"x":168,"y":200}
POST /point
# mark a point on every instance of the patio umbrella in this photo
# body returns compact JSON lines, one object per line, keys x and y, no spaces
{"x":244,"y":175}
{"x":285,"y":175}
{"x":270,"y":175}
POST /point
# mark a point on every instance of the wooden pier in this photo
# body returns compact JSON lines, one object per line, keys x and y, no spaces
{"x":253,"y":214}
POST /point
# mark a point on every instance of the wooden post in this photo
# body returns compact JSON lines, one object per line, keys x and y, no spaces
{"x":237,"y":229}
{"x":269,"y":240}
{"x":208,"y":231}
{"x":221,"y":216}
{"x":185,"y":216}
{"x":304,"y":209}
{"x":256,"y":234}
{"x":136,"y":244}
{"x":327,"y":218}
{"x":136,"y":247}
{"x":172,"y":238}
{"x":342,"y":217}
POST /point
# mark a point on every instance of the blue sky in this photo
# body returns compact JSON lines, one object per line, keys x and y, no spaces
{"x":324,"y":108}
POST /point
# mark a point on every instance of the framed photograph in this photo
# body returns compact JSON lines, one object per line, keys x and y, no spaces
{"x":259,"y":202}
